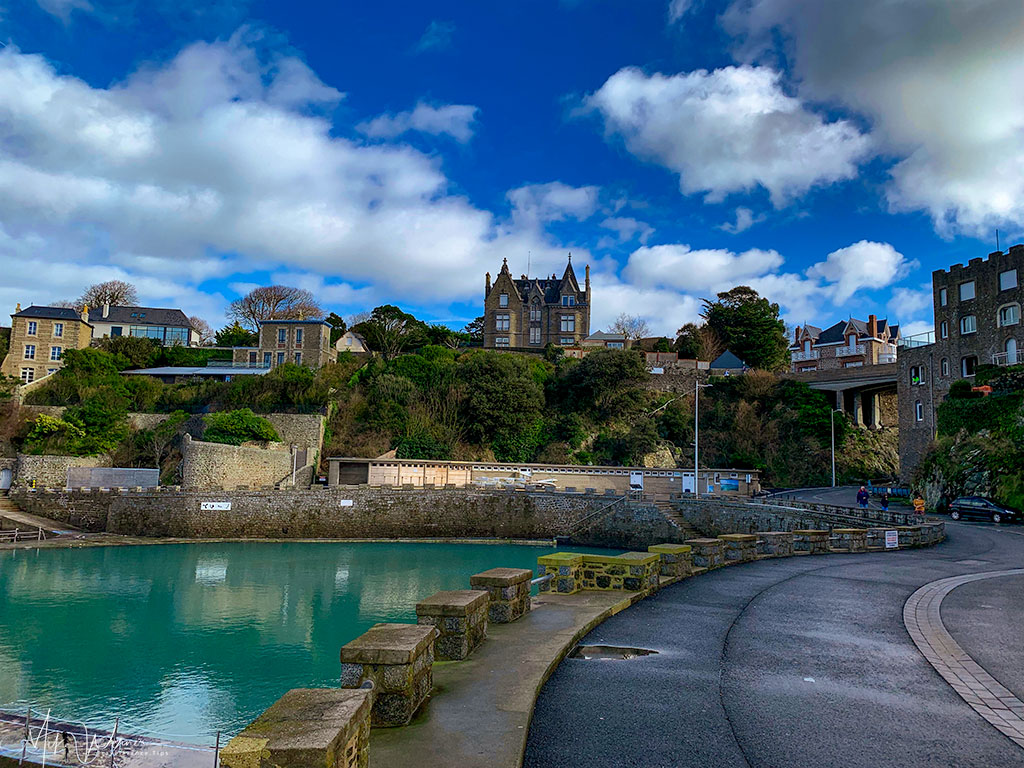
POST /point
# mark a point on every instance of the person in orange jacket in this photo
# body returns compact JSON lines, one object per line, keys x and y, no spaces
{"x":918,"y":504}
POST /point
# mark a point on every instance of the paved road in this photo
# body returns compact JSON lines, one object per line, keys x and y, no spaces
{"x":795,"y":662}
{"x":843,"y":496}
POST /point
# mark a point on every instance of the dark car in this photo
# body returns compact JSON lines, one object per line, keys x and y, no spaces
{"x":980,"y":507}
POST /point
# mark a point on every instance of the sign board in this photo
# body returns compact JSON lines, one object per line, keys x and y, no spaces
{"x":215,"y":506}
{"x":346,"y":502}
{"x":636,"y":480}
{"x":657,"y":370}
{"x":892,"y":539}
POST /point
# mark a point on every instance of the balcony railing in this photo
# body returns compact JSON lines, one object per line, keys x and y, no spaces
{"x":887,"y":354}
{"x":1008,"y":358}
{"x":918,"y":339}
{"x":235,"y":364}
{"x":801,"y":356}
{"x":856,"y":349}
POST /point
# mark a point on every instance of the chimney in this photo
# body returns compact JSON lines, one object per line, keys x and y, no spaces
{"x":872,"y":326}
{"x":487,"y":289}
{"x":587,"y":272}
{"x":17,"y":309}
{"x":106,"y":309}
{"x":85,"y":314}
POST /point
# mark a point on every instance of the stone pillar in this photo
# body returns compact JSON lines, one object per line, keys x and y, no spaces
{"x":306,"y":728}
{"x":810,"y":542}
{"x":739,"y":547}
{"x":850,"y":539}
{"x":676,"y":559}
{"x":858,"y":409}
{"x":508,"y":590}
{"x":775,"y":543}
{"x":398,"y":658}
{"x":566,"y":571}
{"x":643,"y":570}
{"x":460,"y":618}
{"x":876,"y":411}
{"x":707,"y":553}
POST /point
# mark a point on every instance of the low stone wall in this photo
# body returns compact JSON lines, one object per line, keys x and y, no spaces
{"x":213,"y":465}
{"x":306,"y":430}
{"x":51,"y":471}
{"x":571,"y":573}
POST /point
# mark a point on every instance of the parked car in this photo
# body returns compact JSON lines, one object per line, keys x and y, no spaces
{"x":980,"y":507}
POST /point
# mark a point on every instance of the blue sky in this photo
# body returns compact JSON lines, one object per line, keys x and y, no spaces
{"x":829,"y":155}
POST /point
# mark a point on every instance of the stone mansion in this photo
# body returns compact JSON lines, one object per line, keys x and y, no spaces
{"x":530,"y":313}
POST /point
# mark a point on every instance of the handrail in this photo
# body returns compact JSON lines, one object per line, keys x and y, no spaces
{"x":602,"y":510}
{"x":542,"y":579}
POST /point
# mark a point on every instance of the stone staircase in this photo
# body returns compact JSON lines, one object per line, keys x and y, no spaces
{"x":668,"y":510}
{"x":14,"y":517}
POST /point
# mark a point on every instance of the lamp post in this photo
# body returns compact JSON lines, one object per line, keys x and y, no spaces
{"x":832,"y":422}
{"x":696,"y":438}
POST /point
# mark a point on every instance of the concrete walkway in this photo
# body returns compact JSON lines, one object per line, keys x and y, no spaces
{"x":19,"y":519}
{"x":479,"y":714}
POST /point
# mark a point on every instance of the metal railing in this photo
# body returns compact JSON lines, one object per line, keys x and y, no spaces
{"x":1008,"y":358}
{"x":917,"y":340}
{"x":13,"y":537}
{"x":235,"y":364}
{"x":856,"y":349}
{"x":797,"y":357}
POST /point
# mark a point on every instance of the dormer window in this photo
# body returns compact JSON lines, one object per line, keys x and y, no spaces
{"x":503,"y":300}
{"x":568,"y":301}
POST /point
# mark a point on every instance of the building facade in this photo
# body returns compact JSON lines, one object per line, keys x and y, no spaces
{"x":530,"y":313}
{"x":39,"y":338}
{"x":302,"y":342}
{"x":847,"y":344}
{"x":977,"y":311}
{"x":167,"y":327}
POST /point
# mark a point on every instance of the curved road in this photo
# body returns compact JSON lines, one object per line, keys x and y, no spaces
{"x":794,"y":662}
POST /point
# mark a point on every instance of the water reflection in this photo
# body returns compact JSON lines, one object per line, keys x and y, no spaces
{"x":191,"y":639}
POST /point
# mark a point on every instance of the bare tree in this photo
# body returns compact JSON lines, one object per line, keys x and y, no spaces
{"x":274,"y":302}
{"x":202,"y":329}
{"x":633,"y":327}
{"x":117,"y":293}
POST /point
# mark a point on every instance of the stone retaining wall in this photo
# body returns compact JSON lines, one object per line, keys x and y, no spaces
{"x":214,"y":465}
{"x":52,"y":471}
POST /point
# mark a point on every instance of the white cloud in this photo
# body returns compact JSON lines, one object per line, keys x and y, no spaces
{"x":728,"y":130}
{"x":455,"y":120}
{"x":745,"y":219}
{"x":863,"y":264}
{"x":62,"y":9}
{"x":665,"y":310}
{"x":911,"y":302}
{"x":940,"y":79}
{"x":437,"y":36}
{"x":682,"y":268}
{"x":553,"y":201}
{"x":917,"y":327}
{"x":626,"y":228}
{"x":679,"y":8}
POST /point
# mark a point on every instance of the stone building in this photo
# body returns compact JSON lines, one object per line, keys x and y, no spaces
{"x":530,"y":312}
{"x":39,"y":338}
{"x":977,"y":322}
{"x":303,"y":342}
{"x":847,"y":344}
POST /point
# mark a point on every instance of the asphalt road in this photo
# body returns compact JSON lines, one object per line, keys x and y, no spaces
{"x":795,"y":662}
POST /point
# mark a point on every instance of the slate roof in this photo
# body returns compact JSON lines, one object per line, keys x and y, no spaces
{"x":728,"y":360}
{"x":140,"y":316}
{"x":310,"y":321}
{"x":208,"y":370}
{"x":49,"y":313}
{"x":605,"y":336}
{"x":835,"y":334}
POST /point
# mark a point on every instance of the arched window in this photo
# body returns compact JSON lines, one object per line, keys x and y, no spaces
{"x":968,"y":324}
{"x":1012,"y":355}
{"x":945,"y":367}
{"x":1009,"y":314}
{"x":918,"y":410}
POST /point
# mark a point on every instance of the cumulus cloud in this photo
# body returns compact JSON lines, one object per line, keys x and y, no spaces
{"x":455,"y":120}
{"x":626,"y":228}
{"x":728,"y":130}
{"x":909,"y":303}
{"x":940,"y":80}
{"x":685,"y":269}
{"x":665,"y":310}
{"x":863,"y":264}
{"x":745,"y":219}
{"x":553,"y":201}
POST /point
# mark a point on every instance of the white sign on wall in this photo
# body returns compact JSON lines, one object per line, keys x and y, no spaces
{"x":346,"y":502}
{"x":892,"y":539}
{"x":215,"y":506}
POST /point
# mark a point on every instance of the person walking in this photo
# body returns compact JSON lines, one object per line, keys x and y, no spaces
{"x":862,"y":497}
{"x":885,"y":501}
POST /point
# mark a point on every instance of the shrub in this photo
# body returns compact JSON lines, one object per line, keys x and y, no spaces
{"x":237,"y":427}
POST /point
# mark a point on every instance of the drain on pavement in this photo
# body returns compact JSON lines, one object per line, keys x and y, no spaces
{"x":608,"y":652}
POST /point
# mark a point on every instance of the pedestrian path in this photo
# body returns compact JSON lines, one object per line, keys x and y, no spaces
{"x":18,"y":518}
{"x":986,"y":695}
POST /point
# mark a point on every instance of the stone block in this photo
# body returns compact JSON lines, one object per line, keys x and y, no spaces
{"x":850,"y":539}
{"x":910,"y":536}
{"x":566,"y":570}
{"x":508,"y":590}
{"x":460,"y":617}
{"x":810,"y":542}
{"x":707,"y":553}
{"x":775,"y":543}
{"x":739,"y":547}
{"x":306,"y":728}
{"x":676,"y":559}
{"x":399,"y":659}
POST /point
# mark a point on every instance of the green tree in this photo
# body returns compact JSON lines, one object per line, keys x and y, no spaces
{"x":139,"y":351}
{"x":605,"y":382}
{"x":391,"y":331}
{"x":338,"y":326}
{"x":237,"y":427}
{"x":475,"y":330}
{"x":501,"y":396}
{"x":750,"y":327}
{"x":235,"y":335}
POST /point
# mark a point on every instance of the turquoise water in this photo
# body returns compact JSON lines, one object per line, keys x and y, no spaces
{"x":186,"y":640}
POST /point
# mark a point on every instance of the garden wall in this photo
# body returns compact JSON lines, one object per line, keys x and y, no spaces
{"x":214,"y":465}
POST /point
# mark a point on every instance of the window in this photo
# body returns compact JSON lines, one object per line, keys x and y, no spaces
{"x":915,"y":375}
{"x":918,"y":410}
{"x":535,"y":313}
{"x":943,"y":330}
{"x":28,"y":375}
{"x":501,"y":341}
{"x":58,"y":330}
{"x":566,"y":341}
{"x":943,"y":297}
{"x":614,"y":345}
{"x":55,"y":353}
{"x":967,"y":290}
{"x":176,"y":336}
{"x":1007,"y":279}
{"x":252,"y":358}
{"x":568,"y":301}
{"x":501,"y":322}
{"x":282,"y":335}
{"x":568,"y":323}
{"x":298,"y":337}
{"x":280,"y":358}
{"x":33,"y":327}
{"x":298,"y":358}
{"x":535,"y":335}
{"x":503,"y":300}
{"x":968,"y":324}
{"x":30,"y":351}
{"x":968,"y":365}
{"x":50,"y":371}
{"x":945,"y":366}
{"x":266,"y":359}
{"x":116,"y":330}
{"x":1009,"y":315}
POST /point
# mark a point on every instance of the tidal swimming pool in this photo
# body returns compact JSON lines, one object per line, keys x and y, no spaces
{"x":186,"y":640}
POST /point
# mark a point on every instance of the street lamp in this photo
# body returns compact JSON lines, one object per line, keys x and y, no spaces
{"x":832,"y":421}
{"x":697,"y":386}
